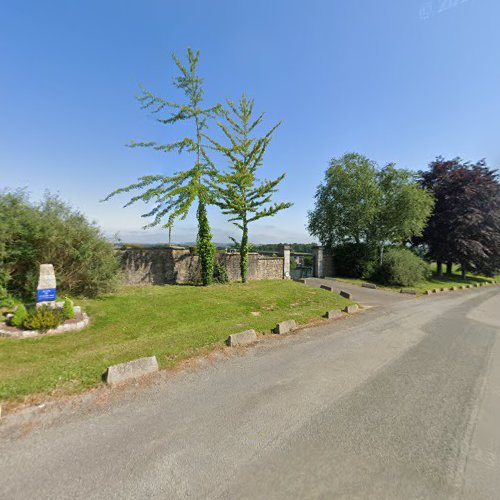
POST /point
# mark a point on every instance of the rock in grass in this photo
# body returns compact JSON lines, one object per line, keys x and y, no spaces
{"x":285,"y":327}
{"x":123,"y":372}
{"x":242,"y":338}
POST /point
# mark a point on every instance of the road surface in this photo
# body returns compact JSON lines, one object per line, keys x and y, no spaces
{"x":401,"y":401}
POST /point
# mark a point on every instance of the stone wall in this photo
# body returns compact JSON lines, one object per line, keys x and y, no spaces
{"x":177,"y":265}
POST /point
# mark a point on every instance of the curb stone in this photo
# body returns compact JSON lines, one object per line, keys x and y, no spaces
{"x":327,"y":287}
{"x":285,"y":327}
{"x":116,"y":374}
{"x":369,"y":285}
{"x":346,"y":295}
{"x":334,"y":314}
{"x":242,"y":338}
{"x":353,"y":308}
{"x":409,"y":292}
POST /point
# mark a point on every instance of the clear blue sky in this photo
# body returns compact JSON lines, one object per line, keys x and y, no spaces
{"x":400,"y":81}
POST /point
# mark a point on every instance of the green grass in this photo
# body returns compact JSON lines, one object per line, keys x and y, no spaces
{"x":445,"y":281}
{"x":170,"y":322}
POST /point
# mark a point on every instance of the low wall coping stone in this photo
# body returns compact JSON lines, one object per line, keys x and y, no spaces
{"x":122,"y":372}
{"x":285,"y":327}
{"x":242,"y":338}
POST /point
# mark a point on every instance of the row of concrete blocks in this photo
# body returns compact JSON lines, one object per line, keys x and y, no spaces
{"x":454,"y":288}
{"x":124,"y":372}
{"x":342,"y":293}
{"x":250,"y":336}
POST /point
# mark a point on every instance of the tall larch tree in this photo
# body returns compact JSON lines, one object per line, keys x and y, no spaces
{"x":173,"y":195}
{"x":238,"y":192}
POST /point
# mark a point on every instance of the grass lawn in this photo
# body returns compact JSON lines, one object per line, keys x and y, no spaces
{"x":445,"y":281}
{"x":170,"y":322}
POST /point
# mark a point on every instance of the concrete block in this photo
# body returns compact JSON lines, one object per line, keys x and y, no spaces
{"x":429,"y":292}
{"x":353,"y":308}
{"x":331,"y":278}
{"x":117,"y":374}
{"x":327,"y":287}
{"x":285,"y":327}
{"x":334,"y":314}
{"x":242,"y":338}
{"x":435,"y":290}
{"x":442,"y":289}
{"x":453,"y":288}
{"x":346,"y":295}
{"x":476,"y":285}
{"x":409,"y":292}
{"x":369,"y":285}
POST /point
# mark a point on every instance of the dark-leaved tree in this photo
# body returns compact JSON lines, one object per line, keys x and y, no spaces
{"x":465,"y":226}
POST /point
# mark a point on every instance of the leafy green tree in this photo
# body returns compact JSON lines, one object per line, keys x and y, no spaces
{"x":363,"y":205}
{"x":404,"y":208}
{"x":347,"y":202}
{"x":53,"y":232}
{"x":173,"y":195}
{"x":238,"y":192}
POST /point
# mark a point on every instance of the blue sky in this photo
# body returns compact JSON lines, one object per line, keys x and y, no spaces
{"x":399,"y":81}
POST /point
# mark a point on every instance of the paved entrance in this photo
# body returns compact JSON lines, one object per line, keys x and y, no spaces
{"x":364,"y":296}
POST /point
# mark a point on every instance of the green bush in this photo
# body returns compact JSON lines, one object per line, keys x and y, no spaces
{"x":355,"y":260}
{"x":52,"y":232}
{"x":43,"y":318}
{"x":67,"y":311}
{"x":401,"y":267}
{"x":19,"y":316}
{"x":220,"y":273}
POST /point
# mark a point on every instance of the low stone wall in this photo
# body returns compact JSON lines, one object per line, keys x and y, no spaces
{"x":177,"y":265}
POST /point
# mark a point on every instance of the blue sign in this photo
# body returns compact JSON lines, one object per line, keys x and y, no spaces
{"x":45,"y":294}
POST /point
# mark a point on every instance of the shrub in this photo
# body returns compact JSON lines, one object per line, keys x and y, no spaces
{"x":401,"y":267}
{"x":355,"y":260}
{"x":220,"y":273}
{"x":52,"y":232}
{"x":19,"y":316}
{"x":67,"y":311}
{"x":43,"y":318}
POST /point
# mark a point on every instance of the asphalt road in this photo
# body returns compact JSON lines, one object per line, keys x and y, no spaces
{"x":402,"y":401}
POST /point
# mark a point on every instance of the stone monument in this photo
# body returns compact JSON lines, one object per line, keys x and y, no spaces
{"x":46,"y":289}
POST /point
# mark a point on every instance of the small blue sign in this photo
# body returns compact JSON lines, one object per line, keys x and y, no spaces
{"x":45,"y":294}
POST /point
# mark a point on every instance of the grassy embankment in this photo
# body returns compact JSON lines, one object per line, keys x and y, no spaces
{"x":170,"y":322}
{"x":445,"y":281}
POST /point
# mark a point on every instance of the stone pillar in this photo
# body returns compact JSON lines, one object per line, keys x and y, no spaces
{"x":285,"y":252}
{"x":318,"y":262}
{"x":46,"y":289}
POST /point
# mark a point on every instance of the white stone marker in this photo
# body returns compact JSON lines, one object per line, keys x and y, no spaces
{"x":46,"y":289}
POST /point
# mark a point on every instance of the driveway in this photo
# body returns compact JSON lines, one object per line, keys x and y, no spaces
{"x":365,"y":296}
{"x":396,"y":402}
